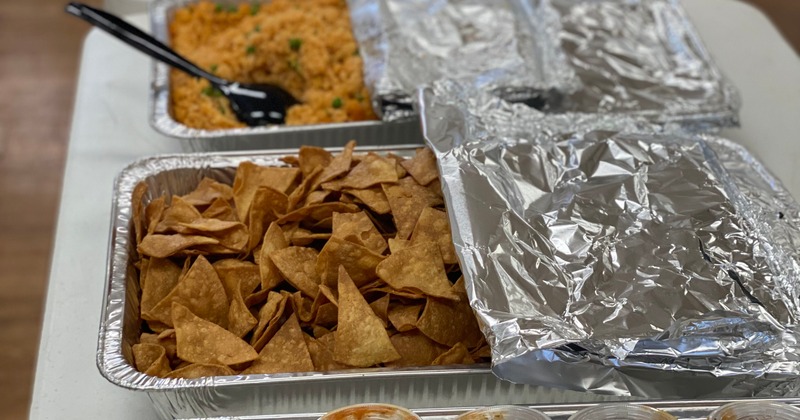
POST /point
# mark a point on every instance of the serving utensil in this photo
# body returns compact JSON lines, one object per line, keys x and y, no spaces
{"x":254,"y":104}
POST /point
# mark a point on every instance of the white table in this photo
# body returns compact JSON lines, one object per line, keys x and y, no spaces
{"x":110,"y":130}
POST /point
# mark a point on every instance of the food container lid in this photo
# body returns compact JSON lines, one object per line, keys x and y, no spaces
{"x":755,"y":410}
{"x":371,"y":412}
{"x":621,"y":412}
{"x":505,"y":412}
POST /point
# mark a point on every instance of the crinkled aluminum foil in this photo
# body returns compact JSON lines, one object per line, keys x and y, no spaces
{"x":509,"y":46}
{"x":634,"y":57}
{"x":642,"y":57}
{"x":603,"y":255}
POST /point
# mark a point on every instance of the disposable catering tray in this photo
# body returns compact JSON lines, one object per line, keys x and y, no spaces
{"x":682,"y":410}
{"x":257,"y":138}
{"x":266,"y":394}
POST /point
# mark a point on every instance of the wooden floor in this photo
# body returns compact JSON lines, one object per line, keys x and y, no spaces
{"x":39,"y":51}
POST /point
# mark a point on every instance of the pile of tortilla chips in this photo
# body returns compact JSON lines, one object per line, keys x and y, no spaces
{"x":329,"y":263}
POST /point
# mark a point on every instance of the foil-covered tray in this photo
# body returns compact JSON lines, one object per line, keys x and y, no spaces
{"x":604,"y":256}
{"x":509,"y":47}
{"x":643,"y":57}
{"x":256,"y":138}
{"x":263,"y":394}
{"x":633,"y":57}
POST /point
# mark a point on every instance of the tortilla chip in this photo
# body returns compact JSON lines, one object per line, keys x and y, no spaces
{"x":406,"y":208}
{"x":179,"y":211}
{"x":298,"y":236}
{"x":268,"y":205}
{"x":220,"y":209}
{"x":167,"y":341}
{"x":449,"y":322}
{"x":327,"y":315}
{"x":250,"y":177}
{"x":240,"y":320}
{"x":200,"y":370}
{"x":200,"y":341}
{"x":231,"y":235}
{"x":153,"y":212}
{"x":358,"y":228}
{"x":163,"y":275}
{"x":316,"y":197}
{"x":317,"y":212}
{"x":200,"y":290}
{"x":298,"y":266}
{"x":434,"y":226}
{"x":163,"y":246}
{"x":415,"y":349}
{"x":151,"y":359}
{"x":340,"y":164}
{"x":358,"y":260}
{"x":397,"y":244}
{"x":422,"y":166}
{"x":372,"y":170}
{"x":430,"y":197}
{"x":310,"y":158}
{"x":237,"y":277}
{"x":401,"y":171}
{"x":138,"y":211}
{"x":256,"y":298}
{"x":361,"y":340}
{"x":299,"y":194}
{"x":381,"y":308}
{"x":417,"y":268}
{"x":269,"y":320}
{"x":320,"y":331}
{"x":374,"y":198}
{"x":286,"y":352}
{"x":458,"y":355}
{"x":274,"y":240}
{"x":208,"y":191}
{"x":302,"y":307}
{"x":321,"y":356}
{"x":404,"y":317}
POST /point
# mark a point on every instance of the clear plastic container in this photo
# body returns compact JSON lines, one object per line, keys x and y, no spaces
{"x":505,"y":412}
{"x":371,"y":412}
{"x":756,"y":410}
{"x":621,"y":412}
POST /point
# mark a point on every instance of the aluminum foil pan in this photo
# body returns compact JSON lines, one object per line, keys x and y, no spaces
{"x":506,"y":46}
{"x":684,"y":410}
{"x":633,"y":57}
{"x":264,"y":394}
{"x":255,"y":138}
{"x":603,"y":256}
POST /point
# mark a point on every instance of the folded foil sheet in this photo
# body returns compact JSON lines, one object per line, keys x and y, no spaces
{"x":507,"y":46}
{"x":642,"y":57}
{"x":633,"y":57}
{"x":602,"y":254}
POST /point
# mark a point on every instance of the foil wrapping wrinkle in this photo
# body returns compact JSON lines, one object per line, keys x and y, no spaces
{"x":643,"y":57}
{"x":507,"y":46}
{"x":610,"y":256}
{"x":639,"y":58}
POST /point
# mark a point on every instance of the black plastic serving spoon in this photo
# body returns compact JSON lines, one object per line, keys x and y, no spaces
{"x":254,"y":104}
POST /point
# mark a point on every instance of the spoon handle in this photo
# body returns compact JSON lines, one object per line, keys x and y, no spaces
{"x":140,"y":40}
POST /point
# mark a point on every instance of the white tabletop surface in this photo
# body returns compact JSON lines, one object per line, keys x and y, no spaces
{"x":110,"y":130}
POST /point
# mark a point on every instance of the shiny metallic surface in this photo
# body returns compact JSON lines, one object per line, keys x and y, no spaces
{"x":506,"y":44}
{"x":603,"y":254}
{"x":642,"y":57}
{"x":633,"y":57}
